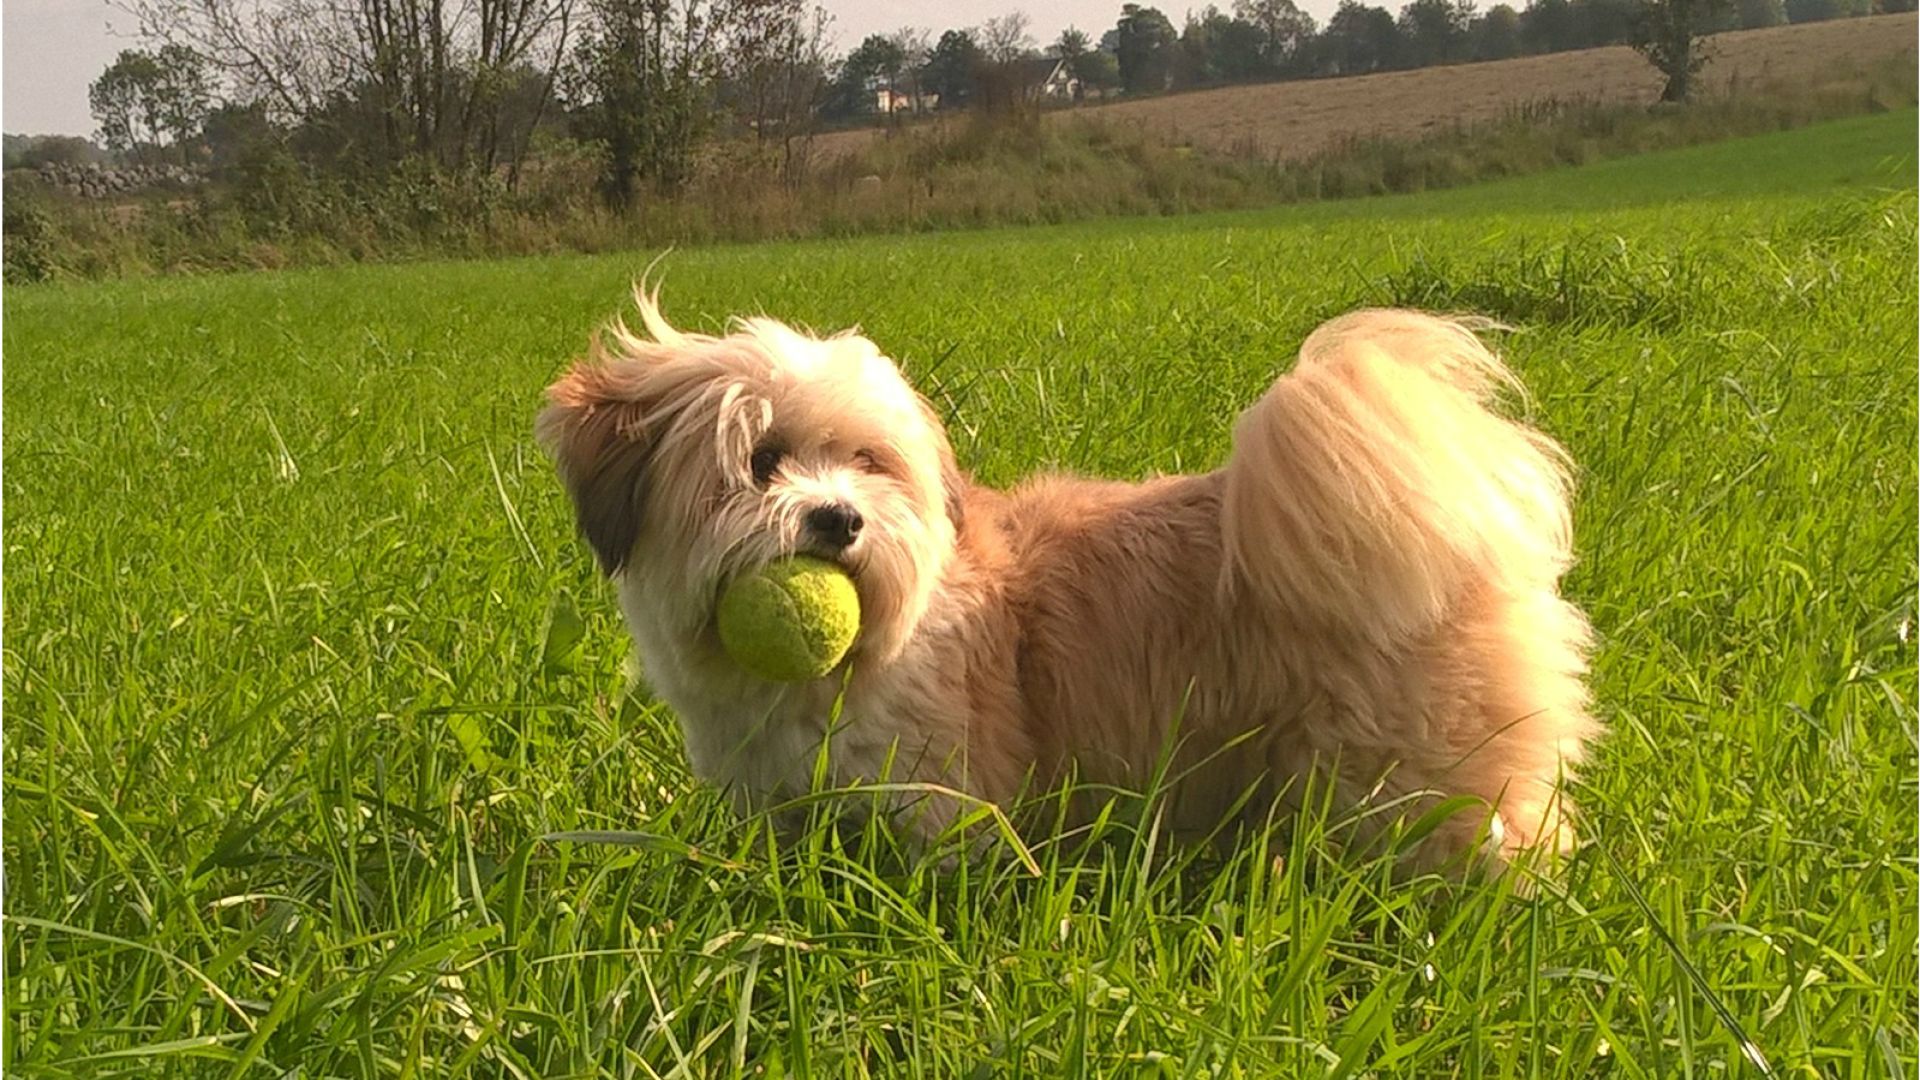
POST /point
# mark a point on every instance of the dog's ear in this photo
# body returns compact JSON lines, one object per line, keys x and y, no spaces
{"x":593,"y":427}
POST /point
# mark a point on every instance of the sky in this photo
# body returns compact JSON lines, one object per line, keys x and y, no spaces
{"x":51,"y":49}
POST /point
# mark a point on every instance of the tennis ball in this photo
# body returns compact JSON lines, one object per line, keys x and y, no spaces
{"x":790,"y":621}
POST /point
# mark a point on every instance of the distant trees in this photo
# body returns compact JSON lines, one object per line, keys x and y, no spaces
{"x":33,"y":151}
{"x":1071,"y":45}
{"x":1216,"y":48}
{"x":1496,"y":35}
{"x":1434,"y":32}
{"x":456,"y":83}
{"x":1284,"y":32}
{"x":1144,"y":49}
{"x":777,"y":74}
{"x":1004,"y":38}
{"x":1668,"y":33}
{"x":1001,"y":81}
{"x":953,"y":68}
{"x":121,"y":103}
{"x":144,"y":99}
{"x":1359,"y":39}
{"x":639,"y":73}
{"x":877,"y":59}
{"x":1098,"y":70}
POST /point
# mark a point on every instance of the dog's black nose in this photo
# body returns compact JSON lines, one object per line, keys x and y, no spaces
{"x":836,"y":525}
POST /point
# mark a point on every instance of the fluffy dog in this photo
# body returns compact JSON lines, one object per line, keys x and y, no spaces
{"x":1367,"y":589}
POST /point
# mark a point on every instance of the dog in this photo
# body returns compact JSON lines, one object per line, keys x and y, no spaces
{"x":1366,"y":592}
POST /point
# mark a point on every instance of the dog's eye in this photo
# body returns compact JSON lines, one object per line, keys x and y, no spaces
{"x":764,"y":462}
{"x":869,"y":462}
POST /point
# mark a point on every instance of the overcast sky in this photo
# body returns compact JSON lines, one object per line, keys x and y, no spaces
{"x":54,"y":48}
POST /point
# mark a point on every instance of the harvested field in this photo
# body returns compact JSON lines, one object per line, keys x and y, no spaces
{"x":1287,"y":120}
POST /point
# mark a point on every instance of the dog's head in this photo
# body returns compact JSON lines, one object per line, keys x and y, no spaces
{"x":691,"y":459}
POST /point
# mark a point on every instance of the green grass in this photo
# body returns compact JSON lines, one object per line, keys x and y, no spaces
{"x":288,"y":788}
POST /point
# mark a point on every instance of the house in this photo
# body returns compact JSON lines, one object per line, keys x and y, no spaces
{"x":888,"y":100}
{"x":1048,"y":78}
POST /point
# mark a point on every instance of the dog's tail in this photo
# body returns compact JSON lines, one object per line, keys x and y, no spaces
{"x":1375,"y":482}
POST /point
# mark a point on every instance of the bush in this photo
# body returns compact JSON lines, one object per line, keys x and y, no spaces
{"x":29,"y":237}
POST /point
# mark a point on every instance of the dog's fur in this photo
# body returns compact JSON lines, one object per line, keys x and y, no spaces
{"x":1367,"y":588}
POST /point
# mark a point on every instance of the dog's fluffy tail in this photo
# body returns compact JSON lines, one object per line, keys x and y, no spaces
{"x":1376,"y":482}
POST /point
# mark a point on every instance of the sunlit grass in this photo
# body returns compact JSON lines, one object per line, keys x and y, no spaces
{"x":289,"y":786}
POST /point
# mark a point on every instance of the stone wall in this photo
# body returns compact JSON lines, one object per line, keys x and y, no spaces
{"x":105,"y":182}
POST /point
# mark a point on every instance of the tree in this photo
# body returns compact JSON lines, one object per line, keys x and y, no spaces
{"x":1004,"y":39}
{"x":1003,"y":84}
{"x":123,"y":102}
{"x":953,"y":68}
{"x":1145,"y":46}
{"x":1496,"y":35}
{"x":1549,"y":26}
{"x":1609,"y":22}
{"x":641,"y":81}
{"x":379,"y":81}
{"x":182,"y":95}
{"x":876,"y":62}
{"x":914,"y":51}
{"x":1242,"y":51}
{"x":777,"y":80}
{"x":1196,"y":62}
{"x":235,"y":133}
{"x":1098,"y":70}
{"x":1669,"y":34}
{"x":1286,"y":32}
{"x":143,"y":99}
{"x":1359,"y":39}
{"x":1217,"y":48}
{"x":1070,"y":46}
{"x":1434,"y":31}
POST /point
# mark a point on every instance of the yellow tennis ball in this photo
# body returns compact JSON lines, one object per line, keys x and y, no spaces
{"x":790,"y":621}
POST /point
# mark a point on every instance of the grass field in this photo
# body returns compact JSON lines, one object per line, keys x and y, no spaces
{"x":289,"y":790}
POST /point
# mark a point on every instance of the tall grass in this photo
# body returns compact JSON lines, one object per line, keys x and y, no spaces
{"x":978,"y":171}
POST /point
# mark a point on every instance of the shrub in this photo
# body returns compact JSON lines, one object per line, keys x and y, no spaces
{"x":29,"y":237}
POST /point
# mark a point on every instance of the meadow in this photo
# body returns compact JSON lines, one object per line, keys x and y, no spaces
{"x":301,"y":778}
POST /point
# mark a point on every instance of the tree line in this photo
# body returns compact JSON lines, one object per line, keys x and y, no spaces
{"x":367,"y":90}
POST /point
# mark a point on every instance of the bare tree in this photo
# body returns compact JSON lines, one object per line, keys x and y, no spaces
{"x":778,"y":71}
{"x":290,"y":55}
{"x":429,"y":74}
{"x":1004,"y":39}
{"x":1004,"y":46}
